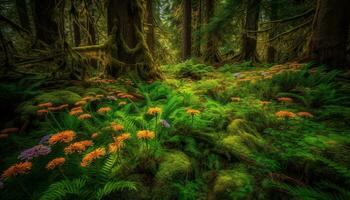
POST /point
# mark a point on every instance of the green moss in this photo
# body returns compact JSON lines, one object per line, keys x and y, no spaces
{"x":94,"y":91}
{"x":232,"y":184}
{"x":58,"y":97}
{"x":238,"y":126}
{"x":175,"y":165}
{"x":234,"y":145}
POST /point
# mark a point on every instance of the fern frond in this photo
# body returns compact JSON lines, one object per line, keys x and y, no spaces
{"x":113,"y":186}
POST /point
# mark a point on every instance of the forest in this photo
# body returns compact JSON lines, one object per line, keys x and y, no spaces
{"x":174,"y":99}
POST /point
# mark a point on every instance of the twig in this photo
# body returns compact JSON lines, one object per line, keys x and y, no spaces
{"x":291,"y":30}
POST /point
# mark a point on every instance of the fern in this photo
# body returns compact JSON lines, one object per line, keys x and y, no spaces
{"x":113,"y":186}
{"x":63,"y":188}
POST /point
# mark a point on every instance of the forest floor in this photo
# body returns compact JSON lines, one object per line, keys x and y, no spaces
{"x":233,"y":132}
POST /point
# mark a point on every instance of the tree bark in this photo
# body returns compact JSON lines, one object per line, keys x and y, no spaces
{"x":271,"y":51}
{"x":128,"y":49}
{"x":186,"y":32}
{"x":330,"y":33}
{"x":211,"y":54}
{"x":76,"y":27}
{"x":150,"y":36}
{"x":251,"y":24}
{"x":22,"y":11}
{"x":197,"y":48}
{"x":49,"y":22}
{"x":90,"y":23}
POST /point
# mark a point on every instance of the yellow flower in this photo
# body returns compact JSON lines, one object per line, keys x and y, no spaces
{"x":57,"y":162}
{"x":154,"y":111}
{"x":192,"y":111}
{"x":145,"y":134}
{"x":76,"y":111}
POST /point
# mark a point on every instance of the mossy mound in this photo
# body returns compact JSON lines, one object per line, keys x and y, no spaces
{"x":235,"y":146}
{"x":232,"y":184}
{"x":175,"y":166}
{"x":58,"y":97}
{"x":238,"y":126}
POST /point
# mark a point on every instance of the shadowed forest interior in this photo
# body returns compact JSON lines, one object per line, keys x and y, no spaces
{"x":175,"y":99}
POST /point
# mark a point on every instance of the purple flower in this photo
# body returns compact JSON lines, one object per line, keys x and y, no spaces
{"x":164,"y":123}
{"x":36,"y":151}
{"x":45,"y":139}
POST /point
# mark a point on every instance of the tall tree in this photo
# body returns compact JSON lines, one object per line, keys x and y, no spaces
{"x":150,"y":36}
{"x":249,"y":33}
{"x":330,"y":32}
{"x":49,"y":21}
{"x":198,"y":25}
{"x":22,"y":11}
{"x":129,"y":52}
{"x":211,"y":54}
{"x":186,"y":32}
{"x":271,"y":51}
{"x":90,"y":23}
{"x":76,"y":26}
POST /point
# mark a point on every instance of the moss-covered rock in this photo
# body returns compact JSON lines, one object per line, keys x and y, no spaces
{"x":235,"y":146}
{"x":232,"y":184}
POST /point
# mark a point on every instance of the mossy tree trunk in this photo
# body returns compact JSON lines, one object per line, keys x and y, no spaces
{"x":330,"y":33}
{"x":211,"y":54}
{"x":186,"y":30}
{"x":249,"y":42}
{"x":76,"y":27}
{"x":150,"y":26}
{"x":90,"y":23}
{"x":271,"y":51}
{"x":23,"y":16}
{"x":49,"y":22}
{"x":198,"y":38}
{"x":127,"y":47}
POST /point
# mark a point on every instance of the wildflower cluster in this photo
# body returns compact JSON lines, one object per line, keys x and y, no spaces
{"x":16,"y":169}
{"x":78,"y":147}
{"x":90,"y":157}
{"x":57,"y":162}
{"x":64,"y":136}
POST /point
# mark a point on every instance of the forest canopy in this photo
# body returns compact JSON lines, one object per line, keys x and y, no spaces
{"x":174,"y":99}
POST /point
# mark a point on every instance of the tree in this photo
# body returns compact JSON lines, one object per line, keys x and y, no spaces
{"x":211,"y":54}
{"x":271,"y":51}
{"x":198,"y":25}
{"x":150,"y":36}
{"x":186,"y":32}
{"x":76,"y":27}
{"x":330,"y":32}
{"x":248,"y":51}
{"x":22,"y":11}
{"x":49,"y":22}
{"x":90,"y":23}
{"x":128,"y":49}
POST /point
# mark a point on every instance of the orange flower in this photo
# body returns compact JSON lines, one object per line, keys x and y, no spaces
{"x":265,"y":103}
{"x":235,"y":99}
{"x":305,"y":114}
{"x":115,"y":146}
{"x":122,"y":137}
{"x":77,"y":108}
{"x":145,"y":134}
{"x":63,"y":106}
{"x":104,"y":110}
{"x":76,"y":112}
{"x":78,"y":147}
{"x":87,"y":98}
{"x":57,"y":162}
{"x":94,"y":135}
{"x":3,"y":135}
{"x":285,"y":114}
{"x":99,"y":96}
{"x":9,"y":130}
{"x":84,"y":116}
{"x":117,"y":127}
{"x":125,"y":96}
{"x":45,"y":105}
{"x":192,"y":111}
{"x":154,"y":111}
{"x":16,"y":169}
{"x":285,"y":100}
{"x":80,"y":103}
{"x":90,"y":157}
{"x":122,"y":103}
{"x":64,"y":136}
{"x":42,"y":112}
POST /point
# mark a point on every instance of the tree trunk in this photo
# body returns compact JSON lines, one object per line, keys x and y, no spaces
{"x":22,"y":11}
{"x":251,"y":24}
{"x":49,"y":22}
{"x":330,"y":33}
{"x":271,"y":51}
{"x":90,"y":24}
{"x":128,"y":49}
{"x":211,"y":54}
{"x":76,"y":27}
{"x":186,"y":32}
{"x":150,"y":37}
{"x":197,"y":48}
